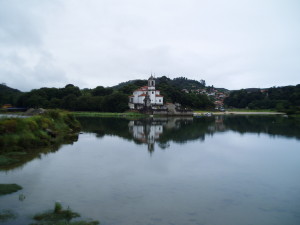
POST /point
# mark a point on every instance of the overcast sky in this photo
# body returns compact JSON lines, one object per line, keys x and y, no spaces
{"x":228,"y":43}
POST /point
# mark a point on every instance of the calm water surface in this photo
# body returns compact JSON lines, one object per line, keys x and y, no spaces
{"x":218,"y":170}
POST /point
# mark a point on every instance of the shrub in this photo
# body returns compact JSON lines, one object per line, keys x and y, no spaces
{"x":9,"y":125}
{"x":57,"y":207}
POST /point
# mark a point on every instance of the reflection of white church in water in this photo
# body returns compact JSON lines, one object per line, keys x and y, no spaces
{"x":149,"y":131}
{"x":146,"y":133}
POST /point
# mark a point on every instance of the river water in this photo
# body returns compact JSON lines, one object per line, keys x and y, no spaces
{"x":221,"y":170}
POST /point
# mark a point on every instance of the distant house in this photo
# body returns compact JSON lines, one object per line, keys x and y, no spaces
{"x":218,"y":104}
{"x":6,"y":106}
{"x":263,"y":90}
{"x":146,"y":96}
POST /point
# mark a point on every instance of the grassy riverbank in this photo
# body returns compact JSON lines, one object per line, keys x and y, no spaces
{"x":251,"y":110}
{"x":108,"y":114}
{"x":22,"y":136}
{"x":241,"y":112}
{"x":238,"y":110}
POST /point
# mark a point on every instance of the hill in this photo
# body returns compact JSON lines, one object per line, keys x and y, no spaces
{"x":171,"y":89}
{"x":179,"y":82}
{"x":285,"y":99}
{"x":8,"y":95}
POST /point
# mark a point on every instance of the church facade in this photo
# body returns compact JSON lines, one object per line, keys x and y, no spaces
{"x":146,"y":96}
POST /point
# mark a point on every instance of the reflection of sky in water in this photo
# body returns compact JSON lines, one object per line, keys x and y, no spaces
{"x":227,"y":179}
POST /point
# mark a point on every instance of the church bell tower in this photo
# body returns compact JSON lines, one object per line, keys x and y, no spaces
{"x":151,"y":83}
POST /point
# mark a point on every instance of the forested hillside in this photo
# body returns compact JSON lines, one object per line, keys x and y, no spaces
{"x":285,"y":99}
{"x":179,"y":82}
{"x":8,"y":95}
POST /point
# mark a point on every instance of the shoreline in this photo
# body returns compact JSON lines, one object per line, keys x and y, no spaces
{"x":140,"y":115}
{"x":240,"y":113}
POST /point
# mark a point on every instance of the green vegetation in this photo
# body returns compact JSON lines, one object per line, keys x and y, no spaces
{"x":57,"y":207}
{"x":101,"y":99}
{"x":20,"y":136}
{"x":9,"y":188}
{"x":282,"y":99}
{"x":8,"y":95}
{"x":37,"y":131}
{"x":179,"y":82}
{"x":115,"y":99}
{"x":70,"y":97}
{"x":172,"y":92}
{"x":5,"y":160}
{"x":99,"y":114}
{"x":250,"y":110}
{"x":60,"y":216}
{"x":6,"y":215}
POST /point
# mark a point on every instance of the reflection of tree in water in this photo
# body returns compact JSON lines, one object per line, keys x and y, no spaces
{"x":21,"y":158}
{"x":163,"y":131}
{"x":272,"y":125}
{"x":106,"y":126}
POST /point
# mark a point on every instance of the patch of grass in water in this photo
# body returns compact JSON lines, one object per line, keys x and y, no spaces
{"x":68,"y":223}
{"x":60,"y":216}
{"x":6,"y":215}
{"x":9,"y":188}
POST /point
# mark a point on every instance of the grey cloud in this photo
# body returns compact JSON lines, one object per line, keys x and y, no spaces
{"x":25,"y":64}
{"x":16,"y":72}
{"x":232,"y":44}
{"x":18,"y":27}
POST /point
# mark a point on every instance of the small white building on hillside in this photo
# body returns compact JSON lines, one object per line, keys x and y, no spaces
{"x":146,"y":96}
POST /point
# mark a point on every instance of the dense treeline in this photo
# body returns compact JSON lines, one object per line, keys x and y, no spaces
{"x":8,"y":95}
{"x":72,"y":98}
{"x":115,"y":99}
{"x":285,"y":99}
{"x":102,"y":99}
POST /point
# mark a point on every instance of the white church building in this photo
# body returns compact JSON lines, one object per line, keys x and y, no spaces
{"x":146,"y":96}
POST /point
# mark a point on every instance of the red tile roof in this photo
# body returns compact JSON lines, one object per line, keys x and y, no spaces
{"x":145,"y":88}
